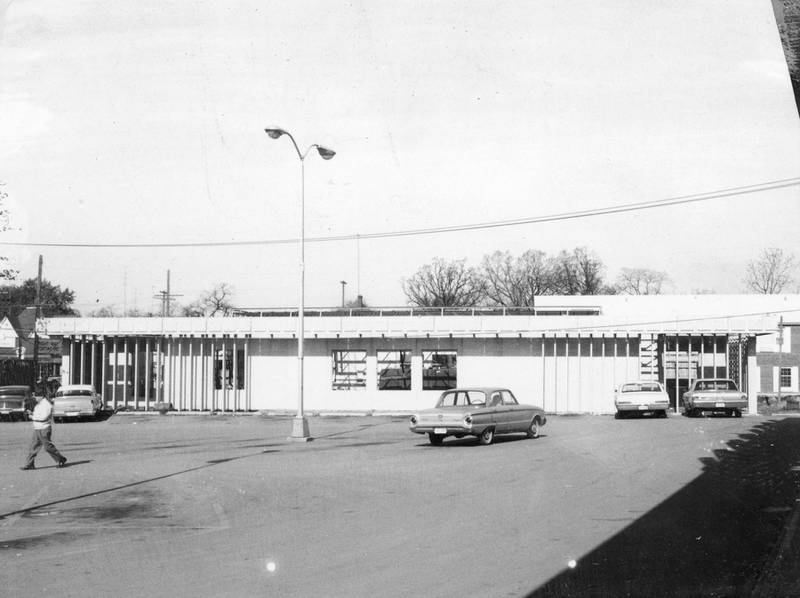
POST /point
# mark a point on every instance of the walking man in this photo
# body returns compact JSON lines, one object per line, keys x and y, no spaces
{"x":42,"y":432}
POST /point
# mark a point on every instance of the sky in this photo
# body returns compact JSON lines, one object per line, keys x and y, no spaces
{"x":143,"y":123}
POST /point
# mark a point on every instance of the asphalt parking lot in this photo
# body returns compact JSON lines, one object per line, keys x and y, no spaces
{"x":226,"y":506}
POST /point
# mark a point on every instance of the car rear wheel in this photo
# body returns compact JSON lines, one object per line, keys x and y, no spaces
{"x":436,"y":438}
{"x":486,"y":436}
{"x":662,"y":413}
{"x":533,"y":429}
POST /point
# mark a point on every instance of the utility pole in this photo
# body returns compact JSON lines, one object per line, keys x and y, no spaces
{"x":780,"y":356}
{"x":38,"y":312}
{"x":166,"y":299}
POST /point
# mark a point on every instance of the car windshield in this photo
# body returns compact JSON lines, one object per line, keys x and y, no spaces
{"x":74,"y":393}
{"x":715,"y":385}
{"x":642,"y":387}
{"x":12,"y":392}
{"x":462,"y":398}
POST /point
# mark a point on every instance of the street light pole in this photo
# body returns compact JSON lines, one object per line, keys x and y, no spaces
{"x":300,"y":423}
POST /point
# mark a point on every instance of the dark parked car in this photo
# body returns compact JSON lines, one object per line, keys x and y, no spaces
{"x":481,"y":412}
{"x":16,"y":402}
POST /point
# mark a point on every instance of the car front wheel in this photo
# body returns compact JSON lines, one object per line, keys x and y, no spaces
{"x":486,"y":436}
{"x":533,"y":429}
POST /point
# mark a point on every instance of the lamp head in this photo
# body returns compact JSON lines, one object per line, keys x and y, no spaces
{"x":274,"y":133}
{"x":326,"y":153}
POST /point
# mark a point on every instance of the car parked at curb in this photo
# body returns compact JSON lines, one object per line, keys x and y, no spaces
{"x":16,"y":402}
{"x":481,"y":412}
{"x":74,"y":401}
{"x":634,"y":398}
{"x":718,"y":395}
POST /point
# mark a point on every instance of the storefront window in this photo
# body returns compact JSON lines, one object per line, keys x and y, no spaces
{"x":349,"y":370}
{"x":394,"y":370}
{"x":438,"y":370}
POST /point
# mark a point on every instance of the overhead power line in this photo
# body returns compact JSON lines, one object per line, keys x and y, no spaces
{"x":630,"y":207}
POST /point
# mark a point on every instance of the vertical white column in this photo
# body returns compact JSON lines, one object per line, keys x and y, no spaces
{"x":753,"y":382}
{"x":714,"y":356}
{"x":224,"y":381}
{"x":628,"y":357}
{"x":148,"y":369}
{"x":169,"y":377}
{"x":82,"y":365}
{"x":566,"y":366}
{"x":702,"y":356}
{"x":728,"y":357}
{"x":136,"y":373}
{"x":71,"y":372}
{"x":192,"y":372}
{"x":202,"y":374}
{"x":125,"y":360}
{"x":93,"y":380}
{"x":235,"y":375}
{"x":212,"y":376}
{"x":677,"y":369}
{"x":739,"y":357}
{"x":614,"y":361}
{"x":103,"y":376}
{"x":579,"y":378}
{"x":114,"y":364}
{"x":181,"y":370}
{"x":247,"y":396}
{"x":159,"y":362}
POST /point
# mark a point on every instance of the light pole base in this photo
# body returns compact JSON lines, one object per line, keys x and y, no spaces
{"x":300,"y":430}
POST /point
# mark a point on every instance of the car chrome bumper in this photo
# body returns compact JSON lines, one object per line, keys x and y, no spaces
{"x":712,"y":405}
{"x":445,"y":430}
{"x":647,"y":407}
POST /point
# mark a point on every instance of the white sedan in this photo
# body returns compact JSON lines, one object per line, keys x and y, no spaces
{"x":641,"y":397}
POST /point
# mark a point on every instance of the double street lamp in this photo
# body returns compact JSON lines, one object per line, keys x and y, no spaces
{"x":300,"y":423}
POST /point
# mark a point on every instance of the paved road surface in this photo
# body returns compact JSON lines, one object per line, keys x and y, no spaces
{"x":226,"y":506}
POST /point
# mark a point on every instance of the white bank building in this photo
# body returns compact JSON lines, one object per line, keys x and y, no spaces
{"x":567,"y":354}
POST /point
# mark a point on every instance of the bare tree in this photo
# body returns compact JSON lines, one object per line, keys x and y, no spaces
{"x":218,"y":301}
{"x":640,"y":281}
{"x":193,"y":310}
{"x":579,"y":272}
{"x":772,"y":272}
{"x":444,"y":284}
{"x":107,"y":311}
{"x":516,"y":282}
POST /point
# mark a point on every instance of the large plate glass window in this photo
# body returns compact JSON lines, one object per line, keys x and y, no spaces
{"x":349,"y":370}
{"x":438,"y":370}
{"x":394,"y":370}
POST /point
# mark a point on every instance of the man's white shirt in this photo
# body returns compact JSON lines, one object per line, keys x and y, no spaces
{"x":42,"y":415}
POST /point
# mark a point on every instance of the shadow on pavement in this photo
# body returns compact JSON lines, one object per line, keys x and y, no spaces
{"x":714,"y":537}
{"x":207,"y":464}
